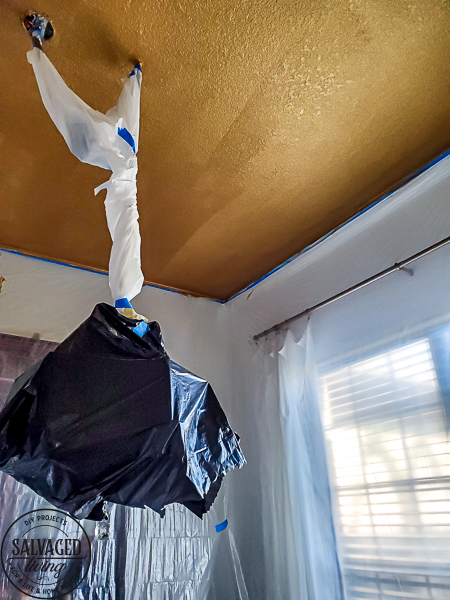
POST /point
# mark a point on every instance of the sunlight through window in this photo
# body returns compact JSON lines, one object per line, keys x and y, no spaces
{"x":386,"y":435}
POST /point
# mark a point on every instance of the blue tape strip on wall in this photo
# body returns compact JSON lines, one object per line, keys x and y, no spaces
{"x":222,"y":526}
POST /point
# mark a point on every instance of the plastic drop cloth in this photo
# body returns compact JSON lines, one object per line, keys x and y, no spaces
{"x":108,"y":416}
{"x":108,"y":141}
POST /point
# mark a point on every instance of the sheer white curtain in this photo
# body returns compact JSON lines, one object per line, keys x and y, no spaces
{"x":300,"y":542}
{"x":368,"y":379}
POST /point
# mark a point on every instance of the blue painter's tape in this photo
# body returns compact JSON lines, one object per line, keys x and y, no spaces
{"x":141,"y":329}
{"x":136,"y":66}
{"x":123,"y":303}
{"x":95,"y":271}
{"x":327,"y":235}
{"x":126,"y":135}
{"x":222,"y":526}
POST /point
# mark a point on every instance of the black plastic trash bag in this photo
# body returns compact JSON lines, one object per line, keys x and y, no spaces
{"x":107,"y":416}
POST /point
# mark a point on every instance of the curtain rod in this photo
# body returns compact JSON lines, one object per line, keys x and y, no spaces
{"x":396,"y":267}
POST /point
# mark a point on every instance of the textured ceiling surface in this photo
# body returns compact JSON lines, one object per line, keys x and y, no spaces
{"x":264,"y":125}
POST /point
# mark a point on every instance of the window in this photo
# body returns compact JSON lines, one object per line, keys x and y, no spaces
{"x":386,"y":435}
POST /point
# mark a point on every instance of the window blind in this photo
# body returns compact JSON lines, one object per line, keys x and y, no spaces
{"x":387,"y":442}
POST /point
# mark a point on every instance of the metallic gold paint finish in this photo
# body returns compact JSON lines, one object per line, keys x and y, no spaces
{"x":265,"y":124}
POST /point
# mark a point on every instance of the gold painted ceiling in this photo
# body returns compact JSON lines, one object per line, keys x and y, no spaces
{"x":264,"y":125}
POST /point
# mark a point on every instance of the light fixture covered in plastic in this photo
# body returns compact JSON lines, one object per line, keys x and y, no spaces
{"x":108,"y":416}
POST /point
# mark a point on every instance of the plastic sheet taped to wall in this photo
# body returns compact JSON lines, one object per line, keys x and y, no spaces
{"x":108,"y":416}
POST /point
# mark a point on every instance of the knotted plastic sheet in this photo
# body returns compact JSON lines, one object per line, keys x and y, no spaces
{"x":108,"y":141}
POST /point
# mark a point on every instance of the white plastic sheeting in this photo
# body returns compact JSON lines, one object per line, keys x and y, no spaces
{"x":94,"y":138}
{"x":308,"y":565}
{"x":149,"y":557}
